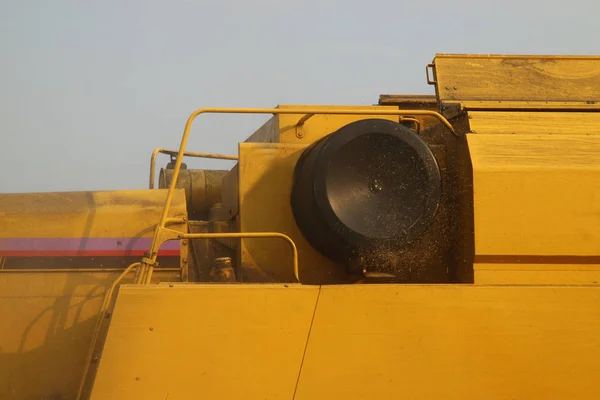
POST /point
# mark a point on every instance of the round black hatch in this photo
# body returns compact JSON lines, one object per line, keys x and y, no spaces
{"x":371,"y":182}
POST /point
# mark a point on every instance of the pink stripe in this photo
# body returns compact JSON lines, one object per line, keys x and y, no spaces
{"x":93,"y":253}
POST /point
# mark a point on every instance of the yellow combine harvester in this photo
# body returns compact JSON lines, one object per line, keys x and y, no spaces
{"x":428,"y":247}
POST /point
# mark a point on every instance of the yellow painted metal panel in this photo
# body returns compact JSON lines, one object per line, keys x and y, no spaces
{"x":46,"y":323}
{"x":120,"y":214}
{"x":536,"y":195}
{"x":453,"y":342}
{"x":538,"y":274}
{"x":44,"y":342}
{"x":518,"y":78}
{"x":536,"y":123}
{"x":205,"y":341}
{"x":266,"y":171}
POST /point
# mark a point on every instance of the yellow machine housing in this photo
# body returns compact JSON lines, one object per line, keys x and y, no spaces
{"x":258,"y":198}
{"x":59,"y":253}
{"x":440,"y":246}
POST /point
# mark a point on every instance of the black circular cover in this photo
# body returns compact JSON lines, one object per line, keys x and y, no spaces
{"x":373,"y":182}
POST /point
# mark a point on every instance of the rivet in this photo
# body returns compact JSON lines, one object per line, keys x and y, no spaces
{"x":107,"y":315}
{"x":470,"y":117}
{"x":171,"y":285}
{"x":137,"y":378}
{"x":455,"y":87}
{"x":151,"y":328}
{"x":184,"y":242}
{"x":184,"y":261}
{"x":447,"y":87}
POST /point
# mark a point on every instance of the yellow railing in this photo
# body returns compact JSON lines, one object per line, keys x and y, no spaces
{"x":160,"y":150}
{"x":144,"y":275}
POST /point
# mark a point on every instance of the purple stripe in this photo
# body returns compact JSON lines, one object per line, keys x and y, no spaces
{"x":82,"y":244}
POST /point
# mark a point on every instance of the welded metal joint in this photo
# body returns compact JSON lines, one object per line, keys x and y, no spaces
{"x":149,"y":261}
{"x":300,"y":125}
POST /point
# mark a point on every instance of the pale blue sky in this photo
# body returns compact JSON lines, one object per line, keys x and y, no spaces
{"x":89,"y":88}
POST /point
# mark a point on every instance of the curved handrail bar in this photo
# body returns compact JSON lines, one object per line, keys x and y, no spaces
{"x":160,"y":150}
{"x":238,"y":235}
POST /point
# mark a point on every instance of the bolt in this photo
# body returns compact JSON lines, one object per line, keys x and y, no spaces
{"x":375,"y":187}
{"x":137,"y":378}
{"x":151,"y":328}
{"x":455,"y":88}
{"x":470,"y":117}
{"x":95,"y":359}
{"x":107,"y":315}
{"x":184,"y":242}
{"x":171,"y":285}
{"x":299,"y":134}
{"x":447,"y":87}
{"x":184,"y":261}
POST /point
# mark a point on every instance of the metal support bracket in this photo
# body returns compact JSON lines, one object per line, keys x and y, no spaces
{"x":432,"y":68}
{"x":300,"y":124}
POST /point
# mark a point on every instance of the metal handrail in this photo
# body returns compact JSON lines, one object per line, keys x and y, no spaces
{"x":149,"y":262}
{"x":147,"y":273}
{"x":160,"y":150}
